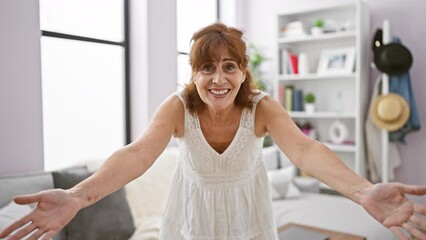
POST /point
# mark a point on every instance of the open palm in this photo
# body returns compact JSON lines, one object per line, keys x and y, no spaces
{"x":55,"y":208}
{"x":387,"y":202}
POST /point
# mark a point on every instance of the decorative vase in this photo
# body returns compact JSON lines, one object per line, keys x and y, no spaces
{"x":315,"y":31}
{"x":309,"y":108}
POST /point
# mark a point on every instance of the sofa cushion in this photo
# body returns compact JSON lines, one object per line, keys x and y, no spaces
{"x":110,"y":218}
{"x":147,"y":194}
{"x":281,"y":183}
{"x":20,"y":184}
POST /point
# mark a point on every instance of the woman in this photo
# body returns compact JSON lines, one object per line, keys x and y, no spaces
{"x":220,"y":186}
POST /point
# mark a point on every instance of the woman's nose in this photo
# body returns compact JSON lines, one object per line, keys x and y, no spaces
{"x":219,"y":78}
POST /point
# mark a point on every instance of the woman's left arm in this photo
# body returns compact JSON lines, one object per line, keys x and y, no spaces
{"x":385,"y":202}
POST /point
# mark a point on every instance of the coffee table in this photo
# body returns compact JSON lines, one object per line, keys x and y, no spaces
{"x":334,"y":235}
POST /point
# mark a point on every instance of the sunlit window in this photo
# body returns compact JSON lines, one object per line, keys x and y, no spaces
{"x":83,"y":50}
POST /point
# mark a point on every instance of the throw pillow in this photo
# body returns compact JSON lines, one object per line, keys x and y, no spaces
{"x":11,"y":213}
{"x":281,"y":183}
{"x":108,"y":219}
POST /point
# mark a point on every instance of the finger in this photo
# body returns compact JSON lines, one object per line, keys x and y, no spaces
{"x":397,"y":231}
{"x":414,"y":231}
{"x":397,"y":220}
{"x":24,"y":231}
{"x":36,"y":234}
{"x":419,"y":222}
{"x":16,"y":225}
{"x":27,"y":199}
{"x":420,"y":208}
{"x":413,"y":189}
{"x":48,"y":235}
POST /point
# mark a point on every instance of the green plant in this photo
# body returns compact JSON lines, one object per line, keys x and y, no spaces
{"x":309,"y":98}
{"x":319,"y":23}
{"x":267,"y":141}
{"x":255,"y":63}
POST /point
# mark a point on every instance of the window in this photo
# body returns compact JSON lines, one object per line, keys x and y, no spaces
{"x":192,"y":15}
{"x":85,"y":79}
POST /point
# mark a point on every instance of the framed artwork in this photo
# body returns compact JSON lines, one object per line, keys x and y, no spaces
{"x":336,"y":61}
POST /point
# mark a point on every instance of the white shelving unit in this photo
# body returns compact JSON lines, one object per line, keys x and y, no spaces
{"x":352,"y":86}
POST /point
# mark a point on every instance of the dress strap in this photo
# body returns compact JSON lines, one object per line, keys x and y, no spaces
{"x":256,"y":97}
{"x":180,"y":94}
{"x":248,"y":121}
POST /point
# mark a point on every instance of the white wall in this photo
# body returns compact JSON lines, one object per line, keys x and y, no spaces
{"x":21,"y":136}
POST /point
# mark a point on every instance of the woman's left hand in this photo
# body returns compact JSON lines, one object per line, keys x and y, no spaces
{"x":387,"y":202}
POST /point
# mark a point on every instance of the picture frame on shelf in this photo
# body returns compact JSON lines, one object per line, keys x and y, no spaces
{"x":336,"y":61}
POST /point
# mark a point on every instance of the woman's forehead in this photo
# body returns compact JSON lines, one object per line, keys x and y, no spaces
{"x":222,"y":54}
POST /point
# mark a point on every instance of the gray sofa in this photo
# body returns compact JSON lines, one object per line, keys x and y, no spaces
{"x":109,"y":218}
{"x":136,"y":216}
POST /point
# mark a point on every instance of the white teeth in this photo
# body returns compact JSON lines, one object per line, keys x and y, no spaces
{"x":219,"y":92}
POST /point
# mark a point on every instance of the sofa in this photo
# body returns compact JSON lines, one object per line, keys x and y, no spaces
{"x":138,"y":206}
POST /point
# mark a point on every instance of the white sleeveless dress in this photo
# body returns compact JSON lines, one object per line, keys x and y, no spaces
{"x":219,"y":196}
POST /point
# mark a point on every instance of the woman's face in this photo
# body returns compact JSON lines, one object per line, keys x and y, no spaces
{"x":218,"y":83}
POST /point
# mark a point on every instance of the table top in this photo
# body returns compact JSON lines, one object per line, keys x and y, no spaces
{"x":334,"y":235}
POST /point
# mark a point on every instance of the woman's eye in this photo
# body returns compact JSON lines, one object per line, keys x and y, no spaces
{"x":230,"y":67}
{"x":207,"y":68}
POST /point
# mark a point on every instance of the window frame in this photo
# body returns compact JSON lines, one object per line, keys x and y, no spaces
{"x":125,"y":44}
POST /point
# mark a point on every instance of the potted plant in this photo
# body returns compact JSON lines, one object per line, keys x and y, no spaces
{"x":317,"y":29}
{"x":310,"y":102}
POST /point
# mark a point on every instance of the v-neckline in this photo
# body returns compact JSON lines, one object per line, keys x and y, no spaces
{"x":233,"y":139}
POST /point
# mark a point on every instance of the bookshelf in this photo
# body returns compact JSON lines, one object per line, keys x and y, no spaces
{"x":341,"y":95}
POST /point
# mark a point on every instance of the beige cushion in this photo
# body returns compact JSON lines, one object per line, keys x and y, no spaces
{"x":147,"y":194}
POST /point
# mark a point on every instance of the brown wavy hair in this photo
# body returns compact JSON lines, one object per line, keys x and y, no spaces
{"x":205,"y":46}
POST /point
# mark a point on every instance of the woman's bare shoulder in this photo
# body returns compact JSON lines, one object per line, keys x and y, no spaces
{"x":267,"y":104}
{"x":176,"y":113}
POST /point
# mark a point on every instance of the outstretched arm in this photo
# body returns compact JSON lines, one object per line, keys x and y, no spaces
{"x":56,"y":208}
{"x":385,"y":202}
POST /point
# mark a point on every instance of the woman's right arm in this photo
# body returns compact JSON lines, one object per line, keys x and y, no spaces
{"x":55,"y":208}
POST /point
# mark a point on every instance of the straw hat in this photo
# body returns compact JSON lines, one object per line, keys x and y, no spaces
{"x":389,"y":111}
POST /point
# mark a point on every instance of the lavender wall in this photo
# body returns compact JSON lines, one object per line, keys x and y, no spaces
{"x":407,"y":22}
{"x":21,"y":137}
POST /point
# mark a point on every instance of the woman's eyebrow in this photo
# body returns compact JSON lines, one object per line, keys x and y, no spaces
{"x":229,"y":59}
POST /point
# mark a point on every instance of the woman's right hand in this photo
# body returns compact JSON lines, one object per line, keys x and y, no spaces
{"x":55,"y":209}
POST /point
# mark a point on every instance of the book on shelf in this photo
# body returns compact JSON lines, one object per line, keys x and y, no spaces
{"x":288,"y":62}
{"x":294,"y":61}
{"x":288,"y":97}
{"x":284,"y":62}
{"x":297,"y":100}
